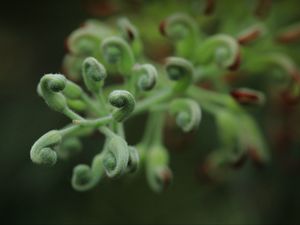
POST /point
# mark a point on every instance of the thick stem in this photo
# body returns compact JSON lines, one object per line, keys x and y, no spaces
{"x":107,"y":132}
{"x":69,"y":129}
{"x":161,"y":96}
{"x":71,"y":114}
{"x":101,"y":101}
{"x":158,"y":129}
{"x":202,"y":96}
{"x":153,"y":134}
{"x":95,"y":122}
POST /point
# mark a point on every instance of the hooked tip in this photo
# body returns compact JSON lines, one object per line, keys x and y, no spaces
{"x":166,"y":176}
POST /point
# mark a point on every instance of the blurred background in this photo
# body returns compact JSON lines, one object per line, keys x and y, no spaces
{"x":32,"y":35}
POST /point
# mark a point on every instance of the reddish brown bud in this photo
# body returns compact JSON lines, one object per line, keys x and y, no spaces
{"x":255,"y":157}
{"x":262,"y":8}
{"x":162,"y":28}
{"x":247,"y":96}
{"x":165,"y":177}
{"x":249,"y":36}
{"x":209,"y":7}
{"x":289,"y":36}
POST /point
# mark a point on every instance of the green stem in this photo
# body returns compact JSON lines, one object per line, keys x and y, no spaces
{"x":69,"y":129}
{"x":149,"y":129}
{"x":201,"y":95}
{"x":152,"y":101}
{"x":107,"y":132}
{"x":131,"y":84}
{"x":101,"y":100}
{"x":159,"y":128}
{"x":120,"y":130}
{"x":94,"y":122}
{"x":154,"y":129}
{"x":71,"y":114}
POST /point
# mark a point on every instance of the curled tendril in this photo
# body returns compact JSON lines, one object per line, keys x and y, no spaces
{"x":86,"y":40}
{"x":188,"y":113}
{"x":50,"y":86}
{"x":248,"y":96}
{"x":93,"y":74}
{"x":284,"y":68}
{"x":178,"y":27}
{"x":180,"y":70}
{"x":85,"y":177}
{"x":134,"y":160}
{"x":147,"y":76}
{"x":116,"y":51}
{"x":182,"y":29}
{"x":284,"y":62}
{"x":159,"y":175}
{"x":42,"y":152}
{"x":131,"y":34}
{"x":124,"y":101}
{"x":221,"y":48}
{"x":116,"y":157}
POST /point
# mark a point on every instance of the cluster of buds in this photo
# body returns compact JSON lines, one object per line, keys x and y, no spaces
{"x":99,"y":54}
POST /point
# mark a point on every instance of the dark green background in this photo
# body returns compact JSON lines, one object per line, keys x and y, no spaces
{"x":32,"y":34}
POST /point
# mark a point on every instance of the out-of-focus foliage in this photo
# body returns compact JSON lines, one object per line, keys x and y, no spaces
{"x":32,"y":35}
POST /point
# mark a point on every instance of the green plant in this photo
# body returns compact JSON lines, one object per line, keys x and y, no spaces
{"x":98,"y":52}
